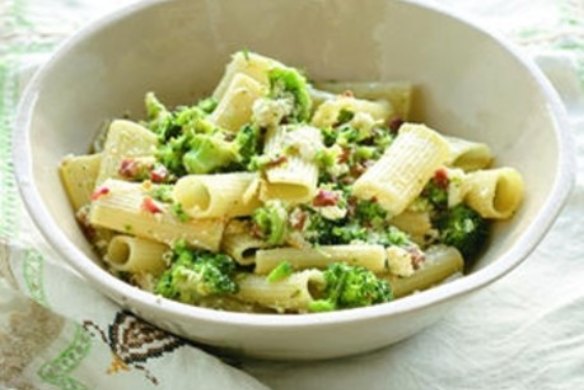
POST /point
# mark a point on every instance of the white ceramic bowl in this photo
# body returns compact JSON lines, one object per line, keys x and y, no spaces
{"x":470,"y":84}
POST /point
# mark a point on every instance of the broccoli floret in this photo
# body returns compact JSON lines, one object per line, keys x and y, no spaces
{"x":177,"y":210}
{"x":171,"y":153}
{"x":363,"y":153}
{"x":195,"y":274}
{"x":288,"y":83}
{"x":182,"y":120}
{"x":191,"y":120}
{"x":188,"y":141}
{"x":345,"y":116}
{"x":319,"y":230}
{"x":367,"y":224}
{"x":350,"y":286}
{"x":437,"y":195}
{"x":249,"y":144}
{"x":382,"y":138}
{"x":323,"y":231}
{"x":198,"y":150}
{"x":328,"y":163}
{"x":326,"y":158}
{"x":346,"y":232}
{"x":347,"y":135}
{"x":154,"y":108}
{"x":329,"y":135}
{"x":271,"y":221}
{"x":162,"y":193}
{"x":208,"y":153}
{"x":370,"y":212}
{"x":282,"y":271}
{"x":464,"y":229}
{"x":208,"y":105}
{"x":160,"y":119}
{"x":389,"y":236}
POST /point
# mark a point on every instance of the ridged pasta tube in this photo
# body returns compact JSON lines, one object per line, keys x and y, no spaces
{"x":294,"y":293}
{"x":217,"y":195}
{"x":250,"y":64}
{"x":235,"y":108}
{"x":494,"y":193}
{"x":398,"y":93}
{"x":468,"y":155}
{"x":328,"y":112}
{"x":78,"y":174}
{"x":405,"y":168}
{"x":240,"y":244}
{"x":296,"y":179}
{"x":441,"y":262}
{"x":136,"y":255}
{"x":372,"y":257}
{"x":127,"y":208}
{"x":124,"y":139}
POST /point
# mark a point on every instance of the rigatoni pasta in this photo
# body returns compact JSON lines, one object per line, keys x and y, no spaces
{"x":79,"y":175}
{"x":403,"y":171}
{"x":239,"y":243}
{"x":294,"y":178}
{"x":372,"y":257}
{"x":398,"y":93}
{"x":468,"y":155}
{"x":273,"y":196}
{"x":128,"y":208}
{"x":136,"y":255}
{"x":235,"y":108}
{"x":252,"y":65}
{"x":294,"y":293}
{"x":328,"y":112}
{"x":125,"y":139}
{"x":441,"y":263}
{"x":494,"y":193}
{"x":215,"y":196}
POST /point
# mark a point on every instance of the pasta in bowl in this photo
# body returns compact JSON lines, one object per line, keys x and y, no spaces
{"x":273,"y":195}
{"x":105,"y":71}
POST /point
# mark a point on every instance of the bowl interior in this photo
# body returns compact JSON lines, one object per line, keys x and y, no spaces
{"x":468,"y":84}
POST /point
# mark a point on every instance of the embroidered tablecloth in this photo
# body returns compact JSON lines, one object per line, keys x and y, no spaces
{"x":523,"y":332}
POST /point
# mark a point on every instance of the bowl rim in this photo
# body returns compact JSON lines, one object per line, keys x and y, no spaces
{"x":107,"y":283}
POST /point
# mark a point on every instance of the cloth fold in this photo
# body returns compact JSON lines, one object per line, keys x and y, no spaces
{"x":521,"y":332}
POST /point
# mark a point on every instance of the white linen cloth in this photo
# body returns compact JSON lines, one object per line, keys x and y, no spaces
{"x":523,"y":332}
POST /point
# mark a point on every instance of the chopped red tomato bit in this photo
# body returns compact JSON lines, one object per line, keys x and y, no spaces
{"x":128,"y":168}
{"x":325,"y":198}
{"x":99,"y":193}
{"x":150,"y":206}
{"x":159,"y":174}
{"x":441,"y":178}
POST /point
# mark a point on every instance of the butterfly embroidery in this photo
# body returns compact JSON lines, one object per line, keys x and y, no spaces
{"x":133,"y":341}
